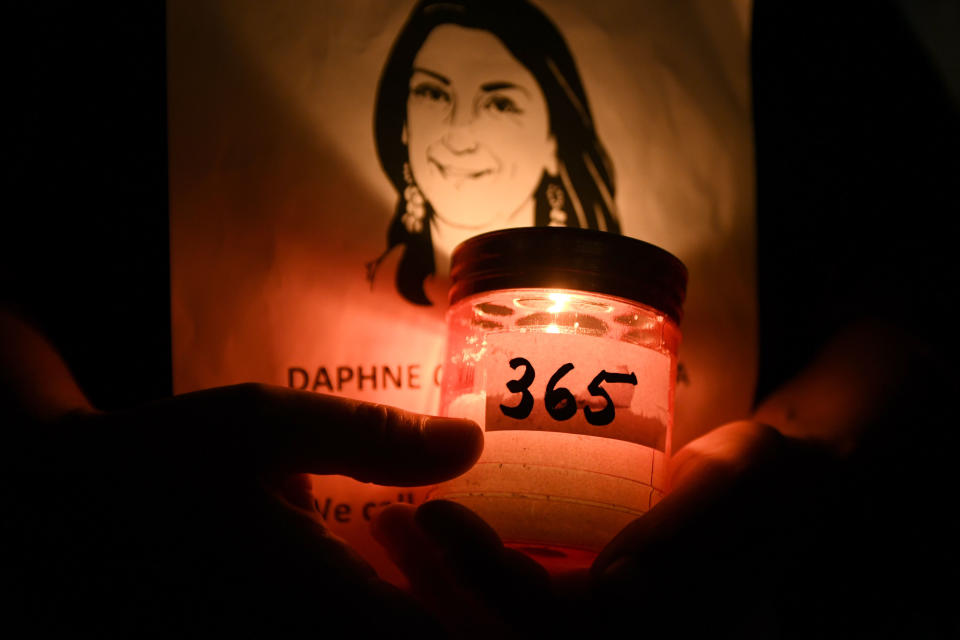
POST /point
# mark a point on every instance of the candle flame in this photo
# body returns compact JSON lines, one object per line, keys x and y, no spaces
{"x":559,"y":302}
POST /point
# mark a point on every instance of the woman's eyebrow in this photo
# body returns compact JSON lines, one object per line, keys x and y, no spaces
{"x":497,"y":86}
{"x":433,"y":74}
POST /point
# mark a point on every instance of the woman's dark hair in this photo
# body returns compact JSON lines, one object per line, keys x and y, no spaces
{"x":586,"y":172}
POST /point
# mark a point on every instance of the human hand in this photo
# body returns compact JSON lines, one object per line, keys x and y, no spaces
{"x":745,"y":514}
{"x":191,"y":514}
{"x":733,"y":547}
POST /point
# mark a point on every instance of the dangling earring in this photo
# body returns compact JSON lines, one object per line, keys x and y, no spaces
{"x":415,"y":210}
{"x":555,"y":198}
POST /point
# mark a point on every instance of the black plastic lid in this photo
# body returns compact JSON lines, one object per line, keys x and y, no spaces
{"x":568,"y":258}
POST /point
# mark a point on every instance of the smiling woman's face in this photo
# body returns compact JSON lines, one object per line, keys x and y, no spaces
{"x":477,"y":129}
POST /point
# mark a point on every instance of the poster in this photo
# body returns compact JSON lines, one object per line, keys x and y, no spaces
{"x":325,"y":158}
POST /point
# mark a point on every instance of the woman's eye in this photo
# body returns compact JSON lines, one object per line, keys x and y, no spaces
{"x":503,"y":104}
{"x":431,"y":92}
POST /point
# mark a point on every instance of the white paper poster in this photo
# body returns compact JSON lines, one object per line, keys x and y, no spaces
{"x":325,"y":158}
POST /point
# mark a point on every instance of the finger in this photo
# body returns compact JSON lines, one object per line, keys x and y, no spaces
{"x":426,"y":567}
{"x":410,"y":549}
{"x":457,"y":529}
{"x":713,"y":479}
{"x":648,"y":541}
{"x":295,"y":488}
{"x":295,"y":541}
{"x":295,"y":564}
{"x":729,"y":449}
{"x":35,"y":382}
{"x":271,"y":428}
{"x":475,"y":554}
{"x":432,"y":544}
{"x":513,"y":585}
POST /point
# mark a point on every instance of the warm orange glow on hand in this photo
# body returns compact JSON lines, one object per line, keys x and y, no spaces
{"x":741,"y":487}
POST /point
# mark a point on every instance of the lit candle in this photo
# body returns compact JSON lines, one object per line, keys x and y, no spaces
{"x":562,"y":343}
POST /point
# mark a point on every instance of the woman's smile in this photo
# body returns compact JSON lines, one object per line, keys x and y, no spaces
{"x":460,"y":167}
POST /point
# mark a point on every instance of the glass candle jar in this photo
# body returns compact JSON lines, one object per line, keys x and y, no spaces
{"x":562,"y":344}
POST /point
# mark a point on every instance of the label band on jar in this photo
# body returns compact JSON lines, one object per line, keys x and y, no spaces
{"x":570,"y":383}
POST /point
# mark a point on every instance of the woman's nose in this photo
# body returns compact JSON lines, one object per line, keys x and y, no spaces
{"x":459,"y":141}
{"x":460,"y":137}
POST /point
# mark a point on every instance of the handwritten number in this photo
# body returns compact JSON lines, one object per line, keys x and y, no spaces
{"x":560,"y":403}
{"x":521,"y":386}
{"x":605,"y":415}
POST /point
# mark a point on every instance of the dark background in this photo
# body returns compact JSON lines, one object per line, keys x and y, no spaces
{"x":857,"y":169}
{"x":857,"y":164}
{"x":85,"y":244}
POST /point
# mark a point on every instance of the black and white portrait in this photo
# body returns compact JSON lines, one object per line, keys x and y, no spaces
{"x":482,"y":123}
{"x":311,"y":139}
